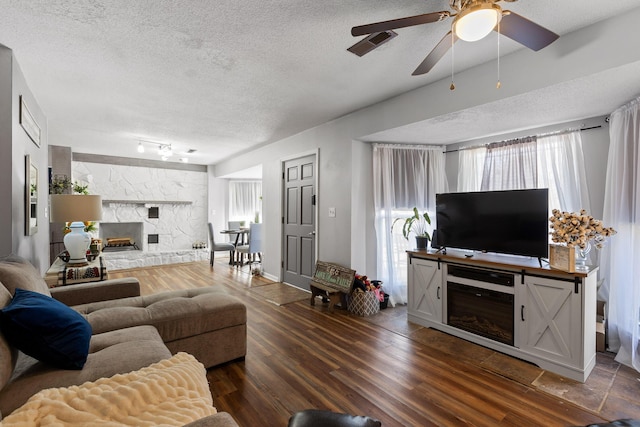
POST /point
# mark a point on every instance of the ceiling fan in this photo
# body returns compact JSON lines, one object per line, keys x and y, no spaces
{"x":472,"y":21}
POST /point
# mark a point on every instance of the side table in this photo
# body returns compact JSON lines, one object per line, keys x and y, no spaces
{"x":61,"y":274}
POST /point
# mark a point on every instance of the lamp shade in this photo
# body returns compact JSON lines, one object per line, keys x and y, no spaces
{"x":75,"y":207}
{"x":477,"y":22}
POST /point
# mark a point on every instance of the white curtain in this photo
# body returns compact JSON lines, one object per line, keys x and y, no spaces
{"x":620,"y":261}
{"x":553,"y":161}
{"x":510,"y":165}
{"x":245,"y":201}
{"x":561,"y":170}
{"x":403,"y":177}
{"x":470,"y":168}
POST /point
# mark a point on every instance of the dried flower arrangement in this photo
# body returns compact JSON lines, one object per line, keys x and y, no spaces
{"x":578,"y":229}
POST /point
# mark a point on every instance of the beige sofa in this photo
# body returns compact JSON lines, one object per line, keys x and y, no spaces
{"x":129,"y":332}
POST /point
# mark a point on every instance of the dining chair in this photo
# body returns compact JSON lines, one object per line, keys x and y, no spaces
{"x":219,"y":246}
{"x":254,"y":247}
{"x":235,"y":225}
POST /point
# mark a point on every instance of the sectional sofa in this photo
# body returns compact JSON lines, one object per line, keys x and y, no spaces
{"x":128,"y":332}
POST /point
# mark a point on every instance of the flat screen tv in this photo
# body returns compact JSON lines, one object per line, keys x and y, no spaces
{"x":510,"y":222}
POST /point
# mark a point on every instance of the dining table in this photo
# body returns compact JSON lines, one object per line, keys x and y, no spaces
{"x":240,"y":239}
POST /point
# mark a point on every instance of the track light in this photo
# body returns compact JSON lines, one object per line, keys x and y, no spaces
{"x":164,"y":150}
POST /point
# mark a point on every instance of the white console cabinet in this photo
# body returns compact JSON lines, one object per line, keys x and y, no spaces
{"x":554,"y":312}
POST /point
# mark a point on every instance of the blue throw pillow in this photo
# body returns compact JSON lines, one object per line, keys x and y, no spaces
{"x":46,"y":329}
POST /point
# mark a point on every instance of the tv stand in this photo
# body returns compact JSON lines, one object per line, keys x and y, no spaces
{"x":554,"y":312}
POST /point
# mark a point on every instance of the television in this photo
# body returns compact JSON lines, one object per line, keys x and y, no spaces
{"x":510,"y":222}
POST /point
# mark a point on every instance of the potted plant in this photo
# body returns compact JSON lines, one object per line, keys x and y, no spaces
{"x":419,"y":225}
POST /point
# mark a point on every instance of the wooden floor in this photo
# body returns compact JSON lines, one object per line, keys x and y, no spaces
{"x":303,"y":357}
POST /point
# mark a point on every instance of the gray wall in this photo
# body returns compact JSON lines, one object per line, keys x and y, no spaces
{"x":6,"y":146}
{"x":344,"y":177}
{"x":15,"y":144}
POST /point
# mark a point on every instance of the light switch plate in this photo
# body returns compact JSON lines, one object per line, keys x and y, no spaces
{"x":332,"y":212}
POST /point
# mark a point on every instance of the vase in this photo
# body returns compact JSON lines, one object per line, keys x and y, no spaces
{"x":581,"y":257}
{"x":421,"y":242}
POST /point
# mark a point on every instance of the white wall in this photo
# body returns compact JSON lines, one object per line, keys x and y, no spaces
{"x":218,"y":204}
{"x":178,"y":225}
{"x":363,"y":243}
{"x":573,"y":56}
{"x":15,"y":144}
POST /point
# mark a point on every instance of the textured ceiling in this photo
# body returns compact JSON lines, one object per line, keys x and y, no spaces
{"x":223,"y":76}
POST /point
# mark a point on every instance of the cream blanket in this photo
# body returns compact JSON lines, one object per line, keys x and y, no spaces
{"x":172,"y":392}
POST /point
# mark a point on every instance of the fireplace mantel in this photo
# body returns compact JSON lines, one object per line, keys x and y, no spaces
{"x":147,"y":202}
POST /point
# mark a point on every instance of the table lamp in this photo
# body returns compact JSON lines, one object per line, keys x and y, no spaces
{"x":76,"y":208}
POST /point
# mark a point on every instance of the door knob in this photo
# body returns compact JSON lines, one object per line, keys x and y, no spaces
{"x":313,"y":233}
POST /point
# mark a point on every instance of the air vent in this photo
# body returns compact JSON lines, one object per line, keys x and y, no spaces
{"x":371,"y":42}
{"x":191,"y":150}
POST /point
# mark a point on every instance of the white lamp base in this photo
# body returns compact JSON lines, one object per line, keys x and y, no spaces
{"x":76,"y":243}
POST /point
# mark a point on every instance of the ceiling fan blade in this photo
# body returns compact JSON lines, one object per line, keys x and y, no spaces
{"x":436,"y":54}
{"x":525,"y":32}
{"x":399,"y":23}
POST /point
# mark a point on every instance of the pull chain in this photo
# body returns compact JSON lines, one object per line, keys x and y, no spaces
{"x":498,"y":85}
{"x":453,"y":86}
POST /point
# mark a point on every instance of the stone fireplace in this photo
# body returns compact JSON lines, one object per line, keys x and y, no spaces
{"x":162,"y":210}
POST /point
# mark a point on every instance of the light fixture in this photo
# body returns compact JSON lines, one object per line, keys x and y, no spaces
{"x":165,"y":151}
{"x":476,"y":22}
{"x":76,"y":208}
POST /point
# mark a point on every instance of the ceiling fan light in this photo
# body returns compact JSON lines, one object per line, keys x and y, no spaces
{"x":477,"y":22}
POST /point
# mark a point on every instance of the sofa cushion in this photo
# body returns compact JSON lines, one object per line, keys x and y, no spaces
{"x":17,"y":272}
{"x":176,"y":315}
{"x":46,"y":329}
{"x":111,"y":353}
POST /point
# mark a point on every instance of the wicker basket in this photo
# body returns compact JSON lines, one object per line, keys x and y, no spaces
{"x":363,"y":303}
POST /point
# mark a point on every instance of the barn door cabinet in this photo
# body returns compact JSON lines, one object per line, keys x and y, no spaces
{"x":553,"y":320}
{"x":425,"y":291}
{"x":554,"y":312}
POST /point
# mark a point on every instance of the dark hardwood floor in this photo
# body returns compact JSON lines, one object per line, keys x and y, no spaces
{"x":302,"y":357}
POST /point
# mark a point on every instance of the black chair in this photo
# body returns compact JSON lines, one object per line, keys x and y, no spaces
{"x":218,"y":246}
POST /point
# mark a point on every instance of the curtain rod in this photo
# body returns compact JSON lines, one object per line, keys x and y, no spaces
{"x":524,"y":137}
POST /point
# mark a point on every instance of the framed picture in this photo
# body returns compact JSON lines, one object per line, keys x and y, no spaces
{"x":562,"y":258}
{"x":28,"y":123}
{"x":31,"y":197}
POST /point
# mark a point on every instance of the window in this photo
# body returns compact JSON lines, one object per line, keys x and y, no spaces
{"x":404,"y":177}
{"x":245,"y":201}
{"x":552,"y":161}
